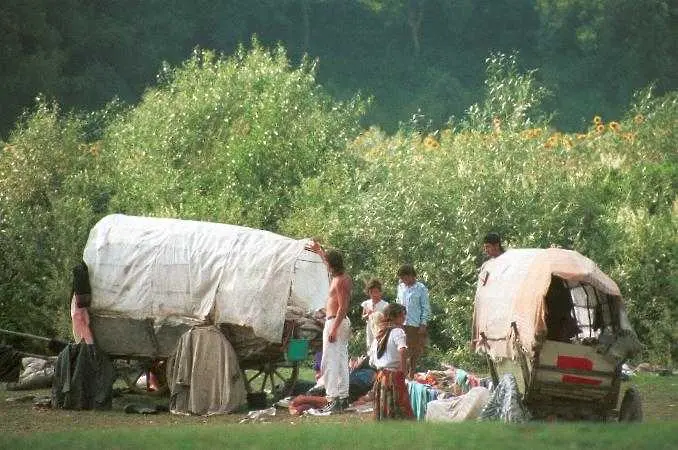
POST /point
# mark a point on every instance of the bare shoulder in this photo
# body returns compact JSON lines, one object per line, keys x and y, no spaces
{"x":345,"y":281}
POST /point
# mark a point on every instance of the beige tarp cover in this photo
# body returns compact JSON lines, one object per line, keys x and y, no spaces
{"x":512,"y":288}
{"x":189,"y":272}
{"x":204,"y":377}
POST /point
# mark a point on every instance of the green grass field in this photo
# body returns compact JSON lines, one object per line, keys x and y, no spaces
{"x":22,"y":426}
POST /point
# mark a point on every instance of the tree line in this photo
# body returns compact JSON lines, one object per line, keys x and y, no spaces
{"x":421,"y":57}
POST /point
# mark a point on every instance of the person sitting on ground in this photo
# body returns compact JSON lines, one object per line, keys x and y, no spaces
{"x":360,"y":380}
{"x":373,"y":304}
{"x":391,"y":399}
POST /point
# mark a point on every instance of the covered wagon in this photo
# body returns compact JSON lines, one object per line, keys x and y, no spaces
{"x":153,"y":279}
{"x":553,"y":319}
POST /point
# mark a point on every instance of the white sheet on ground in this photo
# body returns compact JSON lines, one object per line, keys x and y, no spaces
{"x":458,"y":409}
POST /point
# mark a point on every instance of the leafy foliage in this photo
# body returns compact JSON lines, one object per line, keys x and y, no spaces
{"x":247,"y":139}
{"x":610,"y":193}
{"x":227,"y":139}
{"x":47,"y":197}
{"x":411,"y":55}
{"x":221,"y":139}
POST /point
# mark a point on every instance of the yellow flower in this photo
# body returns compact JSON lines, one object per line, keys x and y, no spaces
{"x":580,"y":136}
{"x":639,"y":119}
{"x":552,"y":141}
{"x":531,"y":133}
{"x":597,"y":120}
{"x":600,"y":128}
{"x":446,"y":134}
{"x":496,"y":124}
{"x":629,"y":137}
{"x":614,"y":126}
{"x":431,"y":142}
{"x":94,"y":149}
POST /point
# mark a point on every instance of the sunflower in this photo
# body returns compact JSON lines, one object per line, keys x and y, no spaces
{"x":496,"y":124}
{"x":531,"y":133}
{"x":639,"y":119}
{"x":614,"y":126}
{"x":431,"y":142}
{"x":94,"y":149}
{"x":597,"y":120}
{"x":552,"y":141}
{"x":600,"y":128}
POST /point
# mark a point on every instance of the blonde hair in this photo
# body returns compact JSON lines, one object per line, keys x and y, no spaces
{"x":376,"y":319}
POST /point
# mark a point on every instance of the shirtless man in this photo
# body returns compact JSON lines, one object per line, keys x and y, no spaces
{"x":337,"y":331}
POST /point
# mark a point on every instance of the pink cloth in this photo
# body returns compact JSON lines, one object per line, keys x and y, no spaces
{"x":80,"y":318}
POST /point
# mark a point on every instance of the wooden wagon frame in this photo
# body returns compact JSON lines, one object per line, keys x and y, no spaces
{"x":555,"y":321}
{"x":153,"y":279}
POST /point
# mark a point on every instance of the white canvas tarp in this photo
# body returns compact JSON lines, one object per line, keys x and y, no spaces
{"x":189,"y":272}
{"x":512,"y":287}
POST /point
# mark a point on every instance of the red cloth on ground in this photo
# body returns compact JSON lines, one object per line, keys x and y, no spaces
{"x":301,"y":403}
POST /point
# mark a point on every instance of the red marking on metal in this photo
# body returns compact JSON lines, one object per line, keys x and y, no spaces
{"x":580,"y":380}
{"x":574,"y":362}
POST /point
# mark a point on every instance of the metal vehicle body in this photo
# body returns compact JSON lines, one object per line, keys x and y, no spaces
{"x":558,"y":323}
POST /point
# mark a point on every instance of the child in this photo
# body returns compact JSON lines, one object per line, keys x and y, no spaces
{"x":373,"y":304}
{"x":389,"y":356}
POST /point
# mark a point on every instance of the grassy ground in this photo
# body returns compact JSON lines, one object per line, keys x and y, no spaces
{"x":23,"y":426}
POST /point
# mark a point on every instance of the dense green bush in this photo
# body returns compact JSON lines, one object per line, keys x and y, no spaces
{"x":248,"y":140}
{"x":227,"y":139}
{"x":47,"y":192}
{"x":609,"y":193}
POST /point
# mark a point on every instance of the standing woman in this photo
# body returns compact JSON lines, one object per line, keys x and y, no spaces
{"x":391,"y":400}
{"x":373,"y":304}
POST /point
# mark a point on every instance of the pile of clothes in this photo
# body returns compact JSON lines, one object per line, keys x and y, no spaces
{"x":36,"y":373}
{"x":452,"y":381}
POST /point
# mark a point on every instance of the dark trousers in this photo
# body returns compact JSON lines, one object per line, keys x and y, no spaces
{"x":416,"y":343}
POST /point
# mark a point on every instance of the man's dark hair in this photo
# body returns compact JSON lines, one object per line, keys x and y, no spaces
{"x":335,"y":260}
{"x":492,"y":238}
{"x":406,"y":269}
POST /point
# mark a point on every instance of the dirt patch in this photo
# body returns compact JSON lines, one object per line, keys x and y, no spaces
{"x":659,"y":396}
{"x":21,"y":416}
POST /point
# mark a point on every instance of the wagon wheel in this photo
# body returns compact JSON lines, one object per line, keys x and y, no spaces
{"x":631,"y":409}
{"x":275,"y":378}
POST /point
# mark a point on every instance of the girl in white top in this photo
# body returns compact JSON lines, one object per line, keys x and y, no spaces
{"x":370,"y":306}
{"x":389,"y":356}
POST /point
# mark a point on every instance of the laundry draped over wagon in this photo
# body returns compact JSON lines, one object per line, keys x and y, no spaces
{"x":204,"y":375}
